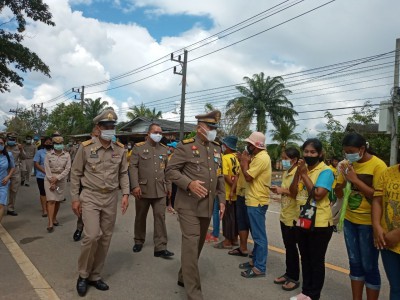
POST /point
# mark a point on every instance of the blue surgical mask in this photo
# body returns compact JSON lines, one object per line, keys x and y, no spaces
{"x":11,"y":143}
{"x":1,"y":148}
{"x":353,"y":157}
{"x":58,"y":147}
{"x":286,"y":164}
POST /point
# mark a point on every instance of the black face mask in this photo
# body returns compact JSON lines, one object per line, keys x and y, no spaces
{"x":48,"y":147}
{"x":310,"y":161}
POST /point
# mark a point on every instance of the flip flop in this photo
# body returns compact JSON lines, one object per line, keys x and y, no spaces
{"x":285,"y":279}
{"x":251,"y":274}
{"x":245,"y":266}
{"x":221,"y":245}
{"x":296,"y":285}
{"x":238,"y":252}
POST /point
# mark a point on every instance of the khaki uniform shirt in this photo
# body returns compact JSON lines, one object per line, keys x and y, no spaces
{"x":194,"y":159}
{"x":98,"y":168}
{"x":57,"y":165}
{"x":30,"y":151}
{"x":147,"y":169}
{"x":17,"y":154}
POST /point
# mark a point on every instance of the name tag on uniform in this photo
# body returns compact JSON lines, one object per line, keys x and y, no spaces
{"x":94,"y":155}
{"x":116,"y":156}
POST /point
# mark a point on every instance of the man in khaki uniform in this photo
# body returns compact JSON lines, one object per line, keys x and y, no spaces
{"x":100,"y":166}
{"x":146,"y":169}
{"x":30,"y":151}
{"x":15,"y":182}
{"x":196,"y":169}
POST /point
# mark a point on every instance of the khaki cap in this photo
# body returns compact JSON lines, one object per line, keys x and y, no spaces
{"x":11,"y":135}
{"x":108,"y":115}
{"x":211,"y":119}
{"x":58,"y":139}
{"x":257,"y":139}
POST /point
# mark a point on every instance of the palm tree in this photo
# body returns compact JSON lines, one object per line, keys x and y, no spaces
{"x":262,"y":98}
{"x":91,"y":109}
{"x":143,"y":111}
{"x":284,"y":134}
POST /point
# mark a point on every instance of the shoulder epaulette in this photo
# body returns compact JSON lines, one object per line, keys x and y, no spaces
{"x":164,"y":146}
{"x":140,"y":144}
{"x":188,"y":141}
{"x":120,"y":144}
{"x":87,"y":143}
{"x":216,"y":143}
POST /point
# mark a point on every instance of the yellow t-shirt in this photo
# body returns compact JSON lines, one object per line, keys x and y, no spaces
{"x":388,"y":187}
{"x":335,"y":174}
{"x":290,"y":208}
{"x":230,"y":167}
{"x":358,"y":210}
{"x":257,"y":192}
{"x":241,"y":185}
{"x":324,"y":213}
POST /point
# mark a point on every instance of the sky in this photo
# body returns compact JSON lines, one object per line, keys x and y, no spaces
{"x":94,"y":42}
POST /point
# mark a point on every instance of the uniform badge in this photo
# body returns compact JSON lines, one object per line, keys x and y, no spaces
{"x":93,"y":153}
{"x":194,"y":147}
{"x":115,"y":155}
{"x":161,"y":157}
{"x":162,"y":165}
{"x":146,"y":151}
{"x":196,"y":153}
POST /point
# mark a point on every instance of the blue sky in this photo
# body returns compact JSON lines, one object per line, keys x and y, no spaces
{"x":158,"y":25}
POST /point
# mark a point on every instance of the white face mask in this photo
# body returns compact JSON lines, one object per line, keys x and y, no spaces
{"x":210,"y":134}
{"x":107,"y":135}
{"x":29,"y":142}
{"x":156,"y":137}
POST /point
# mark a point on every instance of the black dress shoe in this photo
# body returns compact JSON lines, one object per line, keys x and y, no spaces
{"x":11,"y":213}
{"x":137,"y":247}
{"x":77,"y":235}
{"x":163,"y":253}
{"x":99,"y":284}
{"x":180,"y":283}
{"x":82,"y":286}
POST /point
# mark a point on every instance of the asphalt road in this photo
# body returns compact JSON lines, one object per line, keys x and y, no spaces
{"x":47,"y":262}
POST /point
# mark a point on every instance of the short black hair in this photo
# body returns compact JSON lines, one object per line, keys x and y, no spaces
{"x":292,"y":153}
{"x":316,"y":143}
{"x":152,"y":125}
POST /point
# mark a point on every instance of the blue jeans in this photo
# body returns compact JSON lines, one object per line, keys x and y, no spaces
{"x":215,"y":217}
{"x":391,"y":263}
{"x":259,"y":234}
{"x":363,"y":256}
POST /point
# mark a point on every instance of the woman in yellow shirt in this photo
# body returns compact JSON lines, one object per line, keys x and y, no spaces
{"x":289,"y":214}
{"x":386,"y":225}
{"x":363,"y":173}
{"x":313,"y":176}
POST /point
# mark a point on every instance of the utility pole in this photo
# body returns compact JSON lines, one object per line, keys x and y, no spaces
{"x":80,"y":91}
{"x":15,"y":111}
{"x":395,"y":101}
{"x":183,"y":94}
{"x":41,"y":119}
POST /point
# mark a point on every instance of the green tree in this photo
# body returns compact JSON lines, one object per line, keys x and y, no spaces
{"x":143,"y":111}
{"x":28,"y":121}
{"x":284,"y":135}
{"x":14,"y":57}
{"x":67,"y":119}
{"x":91,"y":109}
{"x":367,"y":114}
{"x":332,"y":137}
{"x":262,"y":98}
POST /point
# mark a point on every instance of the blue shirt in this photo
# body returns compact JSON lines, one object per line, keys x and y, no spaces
{"x":325,"y":179}
{"x":39,"y":158}
{"x":4,"y":165}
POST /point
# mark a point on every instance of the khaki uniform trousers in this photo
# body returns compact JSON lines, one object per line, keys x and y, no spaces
{"x":99,"y":212}
{"x":15,"y":183}
{"x":194,"y":231}
{"x":28,"y":170}
{"x":160,"y":229}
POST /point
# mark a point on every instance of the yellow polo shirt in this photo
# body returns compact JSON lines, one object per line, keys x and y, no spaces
{"x":290,"y":208}
{"x":324,"y":213}
{"x":257,"y":192}
{"x":388,"y":187}
{"x":230,"y":167}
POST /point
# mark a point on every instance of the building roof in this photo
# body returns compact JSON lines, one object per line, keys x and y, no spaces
{"x":361,"y":128}
{"x":140,"y":125}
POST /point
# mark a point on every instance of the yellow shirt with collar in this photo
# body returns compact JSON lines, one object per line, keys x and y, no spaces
{"x":324,"y":213}
{"x":257,"y":192}
{"x":230,"y":167}
{"x":290,"y":208}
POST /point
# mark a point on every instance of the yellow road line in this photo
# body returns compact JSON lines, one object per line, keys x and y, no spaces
{"x":39,"y":284}
{"x":282,"y":251}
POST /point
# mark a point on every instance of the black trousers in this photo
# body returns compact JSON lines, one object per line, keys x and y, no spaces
{"x":289,"y":236}
{"x":313,"y":245}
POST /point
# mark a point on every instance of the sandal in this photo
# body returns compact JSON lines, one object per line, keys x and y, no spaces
{"x":288,"y":281}
{"x":278,"y":281}
{"x":221,"y":245}
{"x":50,"y":229}
{"x":251,"y":274}
{"x":246,"y":265}
{"x":238,"y":252}
{"x":56,"y":223}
